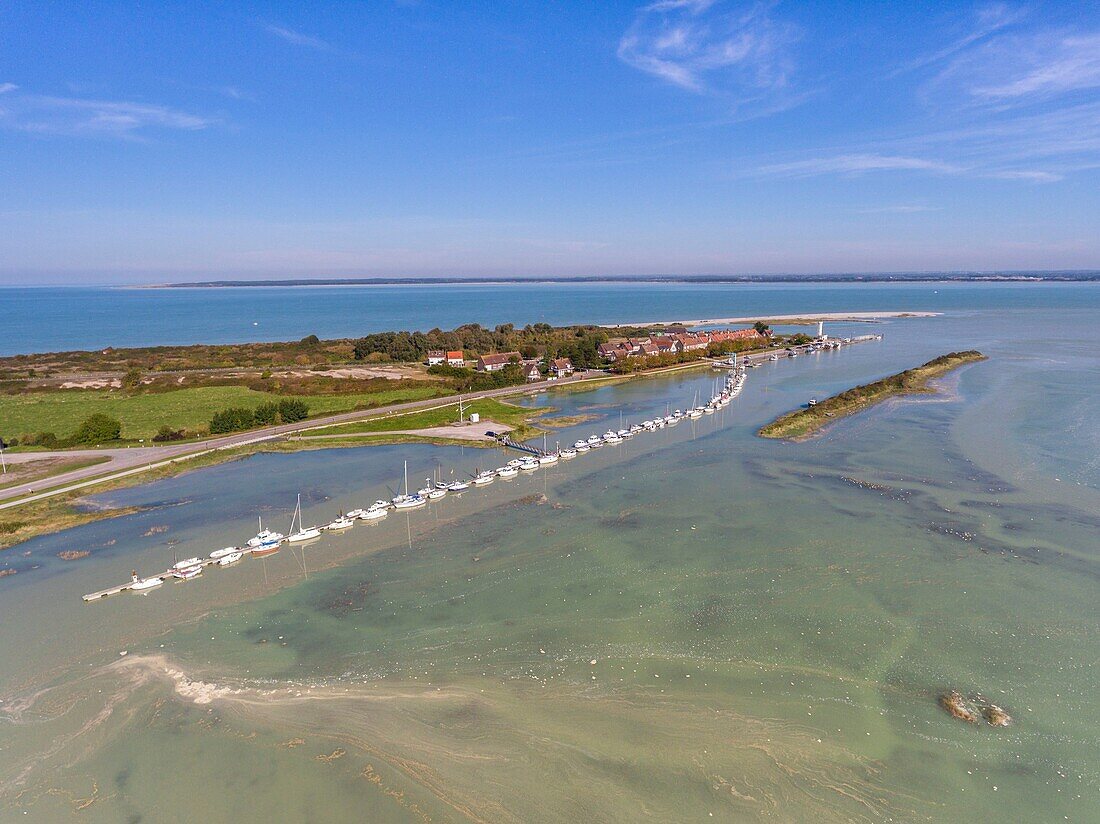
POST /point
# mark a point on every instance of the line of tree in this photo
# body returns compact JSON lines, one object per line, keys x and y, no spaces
{"x":536,"y":340}
{"x":462,"y":379}
{"x":237,"y":418}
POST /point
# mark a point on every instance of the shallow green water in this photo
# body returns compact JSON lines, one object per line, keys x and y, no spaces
{"x":698,"y":623}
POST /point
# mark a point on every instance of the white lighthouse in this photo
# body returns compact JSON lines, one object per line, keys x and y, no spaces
{"x":821,"y":330}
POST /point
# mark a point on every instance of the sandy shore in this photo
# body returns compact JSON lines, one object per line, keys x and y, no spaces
{"x":789,"y":319}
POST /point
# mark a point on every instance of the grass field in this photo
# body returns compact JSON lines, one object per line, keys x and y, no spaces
{"x":487,"y":408}
{"x":142,"y":415}
{"x":803,"y":423}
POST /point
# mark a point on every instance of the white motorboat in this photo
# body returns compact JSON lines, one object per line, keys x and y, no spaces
{"x":530,"y":465}
{"x":549,"y":458}
{"x":635,"y":428}
{"x":582,"y":448}
{"x":355,"y":513}
{"x":507,"y":472}
{"x":186,"y":570}
{"x":457,"y":486}
{"x":612,"y":437}
{"x":515,"y":463}
{"x":230,"y":559}
{"x":343,"y":522}
{"x":625,"y":434}
{"x":568,"y":454}
{"x":595,"y":440}
{"x":265,"y":538}
{"x":484,"y":478}
{"x":218,"y":554}
{"x":649,"y":426}
{"x":373,"y":513}
{"x":142,"y":584}
{"x":296,"y":536}
{"x":436,"y":494}
{"x":695,"y":413}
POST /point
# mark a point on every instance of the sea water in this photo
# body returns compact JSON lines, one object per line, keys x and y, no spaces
{"x":695,"y":624}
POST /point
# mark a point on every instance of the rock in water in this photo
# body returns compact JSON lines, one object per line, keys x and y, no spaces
{"x":956,"y":704}
{"x":995,"y":716}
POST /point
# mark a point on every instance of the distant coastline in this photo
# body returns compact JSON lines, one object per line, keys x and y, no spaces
{"x":1072,"y":276}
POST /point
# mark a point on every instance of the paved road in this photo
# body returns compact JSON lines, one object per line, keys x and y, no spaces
{"x":131,"y":461}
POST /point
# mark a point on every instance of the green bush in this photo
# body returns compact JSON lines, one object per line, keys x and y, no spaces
{"x":233,"y":419}
{"x":293,"y":410}
{"x":167,"y":433}
{"x":96,"y":429}
{"x":266,"y":414}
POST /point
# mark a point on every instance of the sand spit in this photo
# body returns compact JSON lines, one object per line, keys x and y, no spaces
{"x":803,"y":318}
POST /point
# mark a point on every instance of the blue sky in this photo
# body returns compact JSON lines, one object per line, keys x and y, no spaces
{"x":152,"y":142}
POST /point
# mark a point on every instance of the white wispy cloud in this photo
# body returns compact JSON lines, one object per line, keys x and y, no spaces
{"x":1002,"y":103}
{"x":7,"y":87}
{"x":296,"y":37}
{"x":1039,"y":66}
{"x":984,"y":22}
{"x":93,"y":118}
{"x":706,"y":46}
{"x":1032,"y":176}
{"x":898,"y":209}
{"x":853,"y":164}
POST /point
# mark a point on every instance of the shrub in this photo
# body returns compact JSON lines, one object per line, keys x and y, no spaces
{"x":266,"y":414}
{"x":131,"y":379}
{"x":97,"y":428}
{"x":46,"y":439}
{"x":309,"y":340}
{"x":292,"y":410}
{"x":233,"y":419}
{"x":167,"y":433}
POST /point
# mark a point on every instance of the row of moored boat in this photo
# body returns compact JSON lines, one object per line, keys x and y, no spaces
{"x":267,"y":542}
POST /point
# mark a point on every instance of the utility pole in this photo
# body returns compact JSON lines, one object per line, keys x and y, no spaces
{"x":3,"y":463}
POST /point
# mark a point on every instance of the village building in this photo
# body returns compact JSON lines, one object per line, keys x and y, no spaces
{"x":436,"y":356}
{"x":531,"y":371}
{"x":561,"y":367}
{"x":667,"y":345}
{"x":456,"y":358}
{"x":674,"y":342}
{"x":691,"y":343}
{"x":497,"y":361}
{"x":613,"y":351}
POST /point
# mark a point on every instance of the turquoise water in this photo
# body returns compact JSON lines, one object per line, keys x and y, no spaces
{"x":698,"y":623}
{"x":57,"y":319}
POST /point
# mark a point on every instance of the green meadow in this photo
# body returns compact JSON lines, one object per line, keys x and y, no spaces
{"x":142,"y":414}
